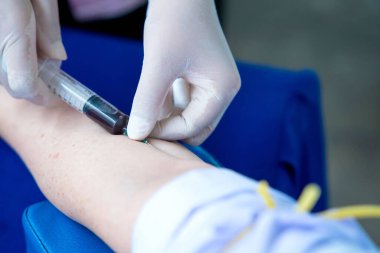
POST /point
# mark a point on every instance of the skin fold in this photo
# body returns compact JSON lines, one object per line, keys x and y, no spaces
{"x":99,"y":180}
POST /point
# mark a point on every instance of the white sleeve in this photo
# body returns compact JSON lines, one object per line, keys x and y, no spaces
{"x":203,"y":210}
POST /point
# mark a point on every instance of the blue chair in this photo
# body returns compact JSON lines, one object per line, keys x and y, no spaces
{"x":273,"y":130}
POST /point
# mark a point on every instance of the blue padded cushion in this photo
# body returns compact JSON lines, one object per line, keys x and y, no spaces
{"x":48,"y":230}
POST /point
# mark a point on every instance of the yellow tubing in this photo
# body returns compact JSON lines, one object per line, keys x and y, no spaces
{"x":358,"y":212}
{"x":308,"y":198}
{"x":263,"y":190}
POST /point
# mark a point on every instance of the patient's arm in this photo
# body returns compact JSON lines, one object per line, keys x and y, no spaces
{"x":97,"y":179}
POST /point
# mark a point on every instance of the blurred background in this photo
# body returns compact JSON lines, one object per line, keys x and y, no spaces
{"x":340,"y":40}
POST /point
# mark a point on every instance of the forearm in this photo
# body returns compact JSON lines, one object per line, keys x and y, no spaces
{"x":98,"y":179}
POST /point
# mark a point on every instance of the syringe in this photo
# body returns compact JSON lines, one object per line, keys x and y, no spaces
{"x":83,"y":99}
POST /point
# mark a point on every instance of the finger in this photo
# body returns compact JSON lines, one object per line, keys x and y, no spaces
{"x":200,"y":138}
{"x":205,"y":109}
{"x":152,"y":90}
{"x":204,"y":134}
{"x":48,"y":30}
{"x":181,"y":93}
{"x":167,"y":107}
{"x":19,"y":56}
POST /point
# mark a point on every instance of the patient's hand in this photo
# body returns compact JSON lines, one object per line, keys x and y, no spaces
{"x":97,"y":179}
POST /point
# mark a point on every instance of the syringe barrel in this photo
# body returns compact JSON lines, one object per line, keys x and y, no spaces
{"x":64,"y":86}
{"x":82,"y":98}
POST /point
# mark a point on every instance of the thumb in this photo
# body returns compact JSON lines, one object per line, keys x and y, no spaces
{"x":20,"y":62}
{"x":151,"y":92}
{"x":48,"y":30}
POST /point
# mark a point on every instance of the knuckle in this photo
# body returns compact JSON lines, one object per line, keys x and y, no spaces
{"x":193,"y":125}
{"x":191,"y":128}
{"x":229,"y":86}
{"x":233,"y":82}
{"x":200,"y":138}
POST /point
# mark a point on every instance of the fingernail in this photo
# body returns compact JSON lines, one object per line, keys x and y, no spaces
{"x":139,"y":128}
{"x":59,"y":51}
{"x":54,"y":50}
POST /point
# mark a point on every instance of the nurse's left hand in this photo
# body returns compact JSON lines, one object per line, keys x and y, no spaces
{"x":29,"y":30}
{"x":189,"y":76}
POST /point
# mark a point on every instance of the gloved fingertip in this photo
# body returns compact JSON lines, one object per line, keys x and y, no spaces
{"x":59,"y":51}
{"x":54,"y":51}
{"x":139,"y":128}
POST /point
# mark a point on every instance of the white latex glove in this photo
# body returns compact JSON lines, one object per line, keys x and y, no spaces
{"x":28,"y":29}
{"x":183,"y":44}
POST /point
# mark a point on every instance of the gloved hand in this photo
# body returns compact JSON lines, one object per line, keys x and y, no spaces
{"x":28,"y":29}
{"x":183,"y":44}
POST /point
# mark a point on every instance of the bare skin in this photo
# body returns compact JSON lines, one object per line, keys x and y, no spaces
{"x":99,"y":180}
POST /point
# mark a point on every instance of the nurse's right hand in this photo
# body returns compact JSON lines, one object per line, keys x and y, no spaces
{"x":29,"y":29}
